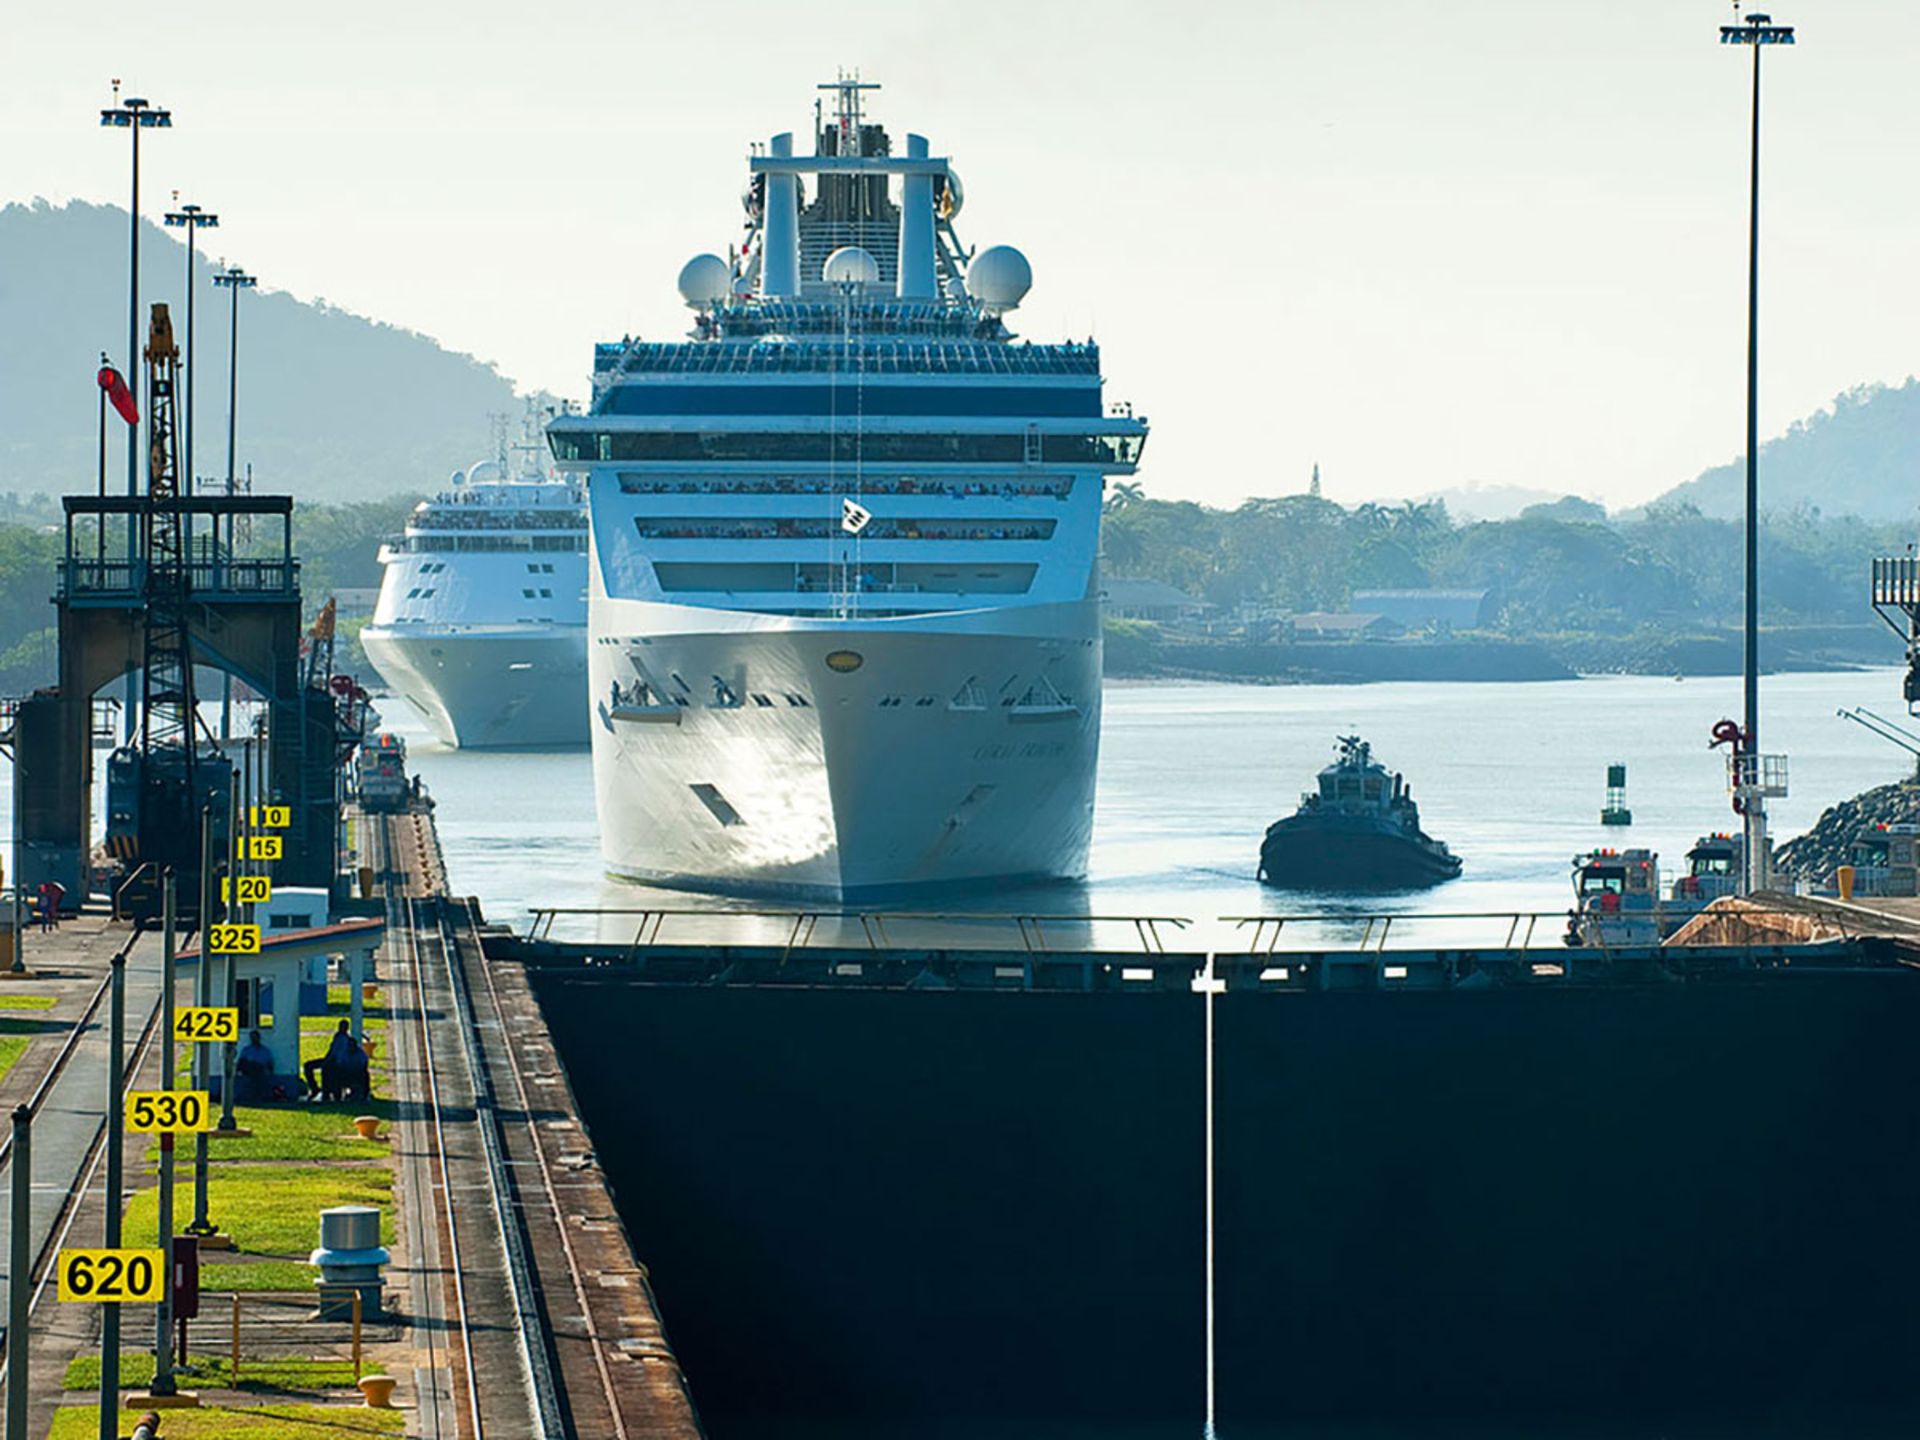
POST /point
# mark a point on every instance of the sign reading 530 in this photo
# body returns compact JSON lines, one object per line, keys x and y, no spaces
{"x":155,"y":1112}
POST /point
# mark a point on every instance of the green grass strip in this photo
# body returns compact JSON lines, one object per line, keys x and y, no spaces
{"x":271,"y":1209}
{"x":265,"y":1422}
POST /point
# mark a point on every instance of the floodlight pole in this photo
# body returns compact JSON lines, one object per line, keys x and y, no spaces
{"x":194,"y":220}
{"x":133,"y":115}
{"x":234,"y":280}
{"x":1758,"y":31}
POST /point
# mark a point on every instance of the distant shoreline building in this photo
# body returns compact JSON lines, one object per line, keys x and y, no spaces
{"x":1441,"y":610}
{"x":1153,"y":600}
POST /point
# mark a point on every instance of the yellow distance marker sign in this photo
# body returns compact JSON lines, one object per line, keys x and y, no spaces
{"x":166,"y":1112}
{"x":270,"y":817}
{"x":253,"y":890}
{"x":203,"y":1024}
{"x":233,"y":939}
{"x":111,"y":1277}
{"x":259,"y":847}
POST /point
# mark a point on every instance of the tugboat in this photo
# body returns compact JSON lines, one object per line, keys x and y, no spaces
{"x":1360,"y":831}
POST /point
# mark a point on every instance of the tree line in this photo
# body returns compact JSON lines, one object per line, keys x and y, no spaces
{"x":1561,"y":568}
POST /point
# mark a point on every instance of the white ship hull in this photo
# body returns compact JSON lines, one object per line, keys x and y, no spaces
{"x":844,"y":796}
{"x":515,"y":686}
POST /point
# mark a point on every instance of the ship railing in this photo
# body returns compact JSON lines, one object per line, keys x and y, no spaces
{"x":1471,"y":932}
{"x":876,"y":930}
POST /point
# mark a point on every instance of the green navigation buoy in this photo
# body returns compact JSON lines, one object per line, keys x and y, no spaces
{"x":1615,"y":811}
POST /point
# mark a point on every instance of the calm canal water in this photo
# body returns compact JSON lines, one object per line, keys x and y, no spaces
{"x":1510,"y":775}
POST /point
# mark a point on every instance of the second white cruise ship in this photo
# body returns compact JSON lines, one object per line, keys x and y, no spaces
{"x":843,"y":585}
{"x":481,"y":624}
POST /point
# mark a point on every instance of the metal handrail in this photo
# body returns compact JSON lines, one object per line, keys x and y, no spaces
{"x":873,"y":923}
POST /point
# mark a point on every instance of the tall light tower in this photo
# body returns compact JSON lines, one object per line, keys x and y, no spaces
{"x":233,"y":279}
{"x":194,"y":220}
{"x":134,"y":115}
{"x":1750,"y":780}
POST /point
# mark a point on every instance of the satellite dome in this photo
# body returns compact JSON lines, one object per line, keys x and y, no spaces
{"x":850,"y":265}
{"x":705,"y":280}
{"x":458,"y":478}
{"x":999,"y":278}
{"x":482,"y":473}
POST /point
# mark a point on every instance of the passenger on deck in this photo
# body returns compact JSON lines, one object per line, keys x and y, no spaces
{"x":253,"y":1070}
{"x":327,"y":1086}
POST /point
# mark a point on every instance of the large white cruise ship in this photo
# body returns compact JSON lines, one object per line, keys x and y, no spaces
{"x":843,"y":589}
{"x":481,"y":624}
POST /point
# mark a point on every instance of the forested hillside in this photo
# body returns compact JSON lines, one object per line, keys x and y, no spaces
{"x":1557,"y":568}
{"x":333,"y":406}
{"x":1862,"y":457}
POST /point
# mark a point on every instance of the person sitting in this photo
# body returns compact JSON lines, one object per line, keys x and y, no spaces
{"x":327,"y":1086}
{"x":253,"y":1069}
{"x":353,"y":1073}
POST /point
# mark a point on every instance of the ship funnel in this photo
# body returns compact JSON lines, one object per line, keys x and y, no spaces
{"x":916,"y":280}
{"x":780,"y":230}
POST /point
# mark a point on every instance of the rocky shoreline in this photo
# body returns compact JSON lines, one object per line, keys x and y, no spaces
{"x":1814,"y":855}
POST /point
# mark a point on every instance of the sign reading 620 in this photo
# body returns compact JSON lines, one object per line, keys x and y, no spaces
{"x":110,"y":1277}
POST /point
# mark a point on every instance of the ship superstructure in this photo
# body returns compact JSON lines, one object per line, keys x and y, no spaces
{"x":481,"y":623}
{"x":843,"y":585}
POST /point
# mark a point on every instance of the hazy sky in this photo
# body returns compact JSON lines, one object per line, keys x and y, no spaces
{"x":1425,"y":244}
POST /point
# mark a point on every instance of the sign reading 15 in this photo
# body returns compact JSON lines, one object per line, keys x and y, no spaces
{"x":233,"y":939}
{"x":258,"y":847}
{"x":206,"y":1023}
{"x":253,"y":890}
{"x":111,"y":1277}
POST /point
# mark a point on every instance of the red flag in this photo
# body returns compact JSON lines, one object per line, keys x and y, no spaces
{"x":118,"y":393}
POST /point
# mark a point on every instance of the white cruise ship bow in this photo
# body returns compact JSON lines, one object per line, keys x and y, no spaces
{"x":481,"y":620}
{"x":843,"y":594}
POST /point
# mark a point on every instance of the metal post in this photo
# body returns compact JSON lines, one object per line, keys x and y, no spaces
{"x":202,"y":995}
{"x":1755,"y":817}
{"x":133,"y":433}
{"x":236,"y":868}
{"x":116,"y":1088}
{"x":163,"y":1312}
{"x":19,"y":1281}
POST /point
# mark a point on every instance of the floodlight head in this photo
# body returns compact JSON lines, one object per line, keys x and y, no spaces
{"x":192,"y":215}
{"x":235,"y":279}
{"x":1758,"y":29}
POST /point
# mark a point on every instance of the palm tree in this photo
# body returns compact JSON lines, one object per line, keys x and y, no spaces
{"x":1123,"y":493}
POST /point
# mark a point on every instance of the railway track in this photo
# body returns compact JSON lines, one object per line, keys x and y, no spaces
{"x":520,"y":1260}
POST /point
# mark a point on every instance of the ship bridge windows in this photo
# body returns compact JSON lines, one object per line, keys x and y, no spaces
{"x":823,"y":578}
{"x":952,"y":487}
{"x":818,"y":446}
{"x":695,"y":527}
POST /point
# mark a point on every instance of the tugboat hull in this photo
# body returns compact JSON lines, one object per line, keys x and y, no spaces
{"x":1315,"y":855}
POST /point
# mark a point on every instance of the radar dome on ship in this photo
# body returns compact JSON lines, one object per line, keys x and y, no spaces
{"x":850,"y":265}
{"x":482,"y":473}
{"x":705,"y":280}
{"x":999,"y":278}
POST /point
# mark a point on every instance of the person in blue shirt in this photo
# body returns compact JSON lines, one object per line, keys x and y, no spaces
{"x":327,"y":1086}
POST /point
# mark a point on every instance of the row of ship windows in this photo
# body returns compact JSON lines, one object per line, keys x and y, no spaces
{"x":955,"y":488}
{"x":679,"y":527}
{"x":487,"y":544}
{"x":1040,"y":693}
{"x":819,"y":446}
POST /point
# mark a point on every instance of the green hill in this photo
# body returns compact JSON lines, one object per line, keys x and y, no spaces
{"x":333,"y":406}
{"x":1859,"y":458}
